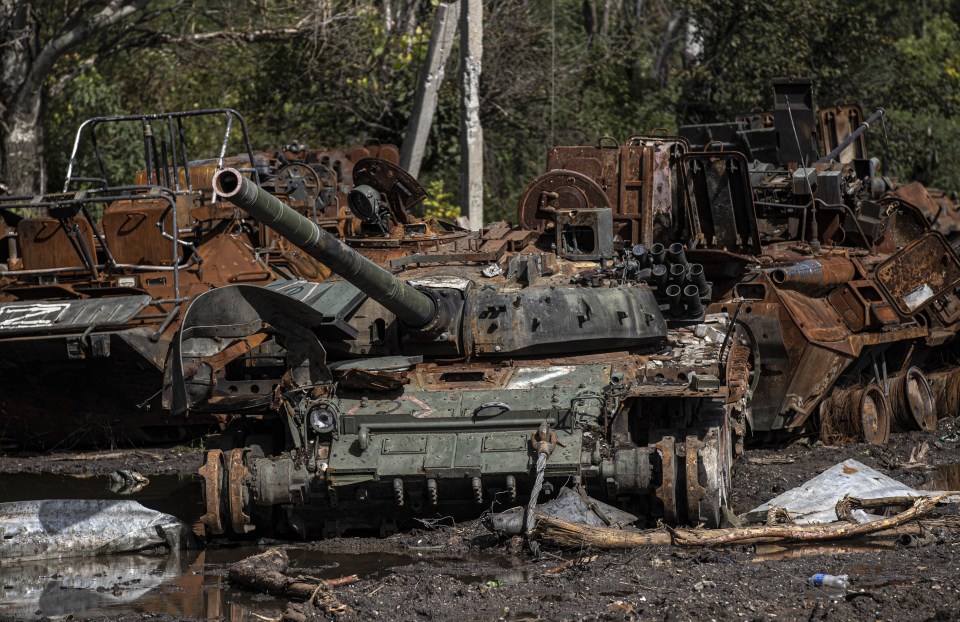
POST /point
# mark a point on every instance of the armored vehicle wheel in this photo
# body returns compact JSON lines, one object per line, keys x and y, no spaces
{"x":695,"y":468}
{"x":225,"y":494}
{"x":709,"y":459}
{"x":666,"y":447}
{"x":300,"y":183}
{"x":212,"y":474}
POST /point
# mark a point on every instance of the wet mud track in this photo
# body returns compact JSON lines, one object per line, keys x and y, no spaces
{"x":461,"y":572}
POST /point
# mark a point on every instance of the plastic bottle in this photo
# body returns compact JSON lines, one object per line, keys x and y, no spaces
{"x":835,"y":586}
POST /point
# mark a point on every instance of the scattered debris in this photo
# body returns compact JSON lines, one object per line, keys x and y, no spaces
{"x":771,"y":460}
{"x":835,"y":586}
{"x":264,"y":573}
{"x":84,"y":527}
{"x":569,"y":505}
{"x":127,"y":482}
{"x":570,"y":563}
{"x":815,"y":501}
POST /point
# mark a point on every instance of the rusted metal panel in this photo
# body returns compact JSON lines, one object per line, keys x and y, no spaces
{"x":919,"y":274}
{"x":45,"y":243}
{"x":838,"y":122}
{"x":721,"y":202}
{"x":815,"y":317}
{"x":134,"y":230}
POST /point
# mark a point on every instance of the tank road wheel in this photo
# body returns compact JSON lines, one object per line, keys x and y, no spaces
{"x":238,"y":496}
{"x":708,"y":462}
{"x":212,"y":474}
{"x":666,"y":448}
{"x":236,"y":492}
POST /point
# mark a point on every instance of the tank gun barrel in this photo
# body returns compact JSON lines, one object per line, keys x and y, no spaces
{"x":414,"y":308}
{"x":814,"y":275}
{"x":852,"y":137}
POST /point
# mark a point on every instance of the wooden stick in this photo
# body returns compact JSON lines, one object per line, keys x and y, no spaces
{"x":561,"y":533}
{"x":803,"y":533}
{"x":264,"y":573}
{"x":571,"y":562}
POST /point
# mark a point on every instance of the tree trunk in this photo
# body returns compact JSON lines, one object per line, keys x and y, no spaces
{"x":25,"y":64}
{"x":21,"y":154}
{"x":20,"y":132}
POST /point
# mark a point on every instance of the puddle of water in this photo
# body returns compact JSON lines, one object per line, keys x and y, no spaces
{"x":181,"y":496}
{"x":172,"y":584}
{"x":187,"y":583}
{"x":192,"y":583}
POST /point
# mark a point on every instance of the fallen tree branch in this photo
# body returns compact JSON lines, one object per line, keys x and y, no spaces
{"x":803,"y":533}
{"x":564,"y":534}
{"x":264,"y":573}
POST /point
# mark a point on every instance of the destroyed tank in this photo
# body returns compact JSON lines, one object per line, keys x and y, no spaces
{"x":428,"y":381}
{"x":656,"y":306}
{"x":95,"y":279}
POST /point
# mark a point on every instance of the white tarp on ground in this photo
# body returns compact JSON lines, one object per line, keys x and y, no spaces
{"x":815,"y":501}
{"x":84,"y":527}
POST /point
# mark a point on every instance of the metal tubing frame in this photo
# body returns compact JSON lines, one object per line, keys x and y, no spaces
{"x":85,"y":197}
{"x":93,"y":122}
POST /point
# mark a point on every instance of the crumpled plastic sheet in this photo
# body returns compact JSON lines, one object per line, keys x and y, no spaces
{"x":85,"y":527}
{"x":815,"y":501}
{"x":569,"y":506}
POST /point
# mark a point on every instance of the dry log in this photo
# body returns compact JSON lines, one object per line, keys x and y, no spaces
{"x":561,"y":533}
{"x":803,"y":533}
{"x":264,"y":573}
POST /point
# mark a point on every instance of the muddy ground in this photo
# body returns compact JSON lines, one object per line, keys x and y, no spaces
{"x":153,"y":461}
{"x":461,"y":572}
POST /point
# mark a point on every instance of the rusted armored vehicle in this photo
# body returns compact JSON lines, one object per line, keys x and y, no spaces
{"x":95,"y":278}
{"x":440,"y":366}
{"x":655,"y":307}
{"x":852,"y":296}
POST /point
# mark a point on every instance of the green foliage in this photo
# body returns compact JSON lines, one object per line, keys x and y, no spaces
{"x":439,"y":203}
{"x":554,"y":72}
{"x":89,"y":96}
{"x":933,"y":82}
{"x":921,"y":146}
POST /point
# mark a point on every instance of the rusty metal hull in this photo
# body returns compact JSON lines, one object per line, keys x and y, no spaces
{"x":88,"y":307}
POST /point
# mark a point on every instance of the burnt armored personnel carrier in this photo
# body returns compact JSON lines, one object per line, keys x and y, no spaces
{"x":655,"y":307}
{"x":94,"y":279}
